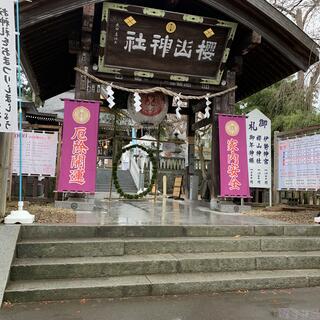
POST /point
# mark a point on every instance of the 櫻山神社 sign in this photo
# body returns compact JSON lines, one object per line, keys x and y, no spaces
{"x":234,"y":180}
{"x":8,"y":68}
{"x":79,"y":147}
{"x":150,"y":43}
{"x":259,"y":149}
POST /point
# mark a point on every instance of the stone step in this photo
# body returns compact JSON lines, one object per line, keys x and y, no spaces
{"x":45,"y":231}
{"x":99,"y":247}
{"x":156,"y":285}
{"x":94,"y":267}
{"x":126,"y":182}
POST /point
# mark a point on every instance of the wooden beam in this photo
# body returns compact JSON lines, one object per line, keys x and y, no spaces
{"x":259,"y":16}
{"x":85,"y":88}
{"x":252,"y":42}
{"x":37,"y":11}
{"x":202,"y":123}
{"x":200,"y":106}
{"x":28,"y":71}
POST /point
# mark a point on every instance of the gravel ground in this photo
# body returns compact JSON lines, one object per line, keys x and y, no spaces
{"x":303,"y":216}
{"x":46,"y":212}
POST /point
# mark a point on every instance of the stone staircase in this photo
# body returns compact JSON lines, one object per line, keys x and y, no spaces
{"x":76,"y":262}
{"x":103,"y":181}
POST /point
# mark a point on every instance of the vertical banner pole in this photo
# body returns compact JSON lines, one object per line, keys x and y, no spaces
{"x":20,"y":203}
{"x":19,"y":216}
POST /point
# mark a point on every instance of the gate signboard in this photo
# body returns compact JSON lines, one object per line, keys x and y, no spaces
{"x":233,"y":157}
{"x":79,"y":147}
{"x":146,"y":43}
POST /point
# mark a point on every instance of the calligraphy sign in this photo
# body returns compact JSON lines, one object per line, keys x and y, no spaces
{"x":79,"y":147}
{"x":39,"y":153}
{"x":234,"y":180}
{"x":8,"y":68}
{"x":259,"y":149}
{"x":155,"y":44}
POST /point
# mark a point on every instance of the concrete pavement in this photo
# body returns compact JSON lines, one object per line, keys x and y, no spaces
{"x":162,"y":212}
{"x":297,"y":304}
{"x":8,"y":239}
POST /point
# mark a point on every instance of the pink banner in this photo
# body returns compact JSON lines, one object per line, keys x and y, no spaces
{"x":234,"y":180}
{"x":79,"y":147}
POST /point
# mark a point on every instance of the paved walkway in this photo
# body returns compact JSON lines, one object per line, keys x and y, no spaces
{"x":290,"y":304}
{"x":163,"y":212}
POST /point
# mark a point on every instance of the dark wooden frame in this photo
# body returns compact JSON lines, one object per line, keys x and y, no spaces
{"x":177,"y":17}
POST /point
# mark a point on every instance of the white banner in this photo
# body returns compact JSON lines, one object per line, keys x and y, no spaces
{"x":39,"y":154}
{"x":299,"y":163}
{"x":259,"y":149}
{"x":8,"y":69}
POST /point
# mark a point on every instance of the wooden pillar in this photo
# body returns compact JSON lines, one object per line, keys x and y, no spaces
{"x":190,"y":169}
{"x":58,"y":161}
{"x":35,"y":187}
{"x":9,"y":186}
{"x":276,"y":193}
{"x":24,"y":187}
{"x":229,"y":105}
{"x":215,"y":156}
{"x":223,"y":104}
{"x":85,"y":89}
{"x":5,"y":140}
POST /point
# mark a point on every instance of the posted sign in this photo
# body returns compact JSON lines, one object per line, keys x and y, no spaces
{"x":299,"y":163}
{"x":259,"y":149}
{"x":39,"y":153}
{"x":79,"y":148}
{"x":233,"y":157}
{"x":8,"y":68}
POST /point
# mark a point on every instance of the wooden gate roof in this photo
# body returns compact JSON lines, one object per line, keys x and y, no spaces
{"x":46,"y":26}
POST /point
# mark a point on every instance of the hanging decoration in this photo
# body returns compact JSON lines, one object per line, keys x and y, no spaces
{"x":154,"y":108}
{"x":110,"y":98}
{"x":208,"y":109}
{"x":137,"y":102}
{"x":154,"y":89}
{"x":140,"y":193}
{"x":179,"y":105}
{"x":107,"y":91}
